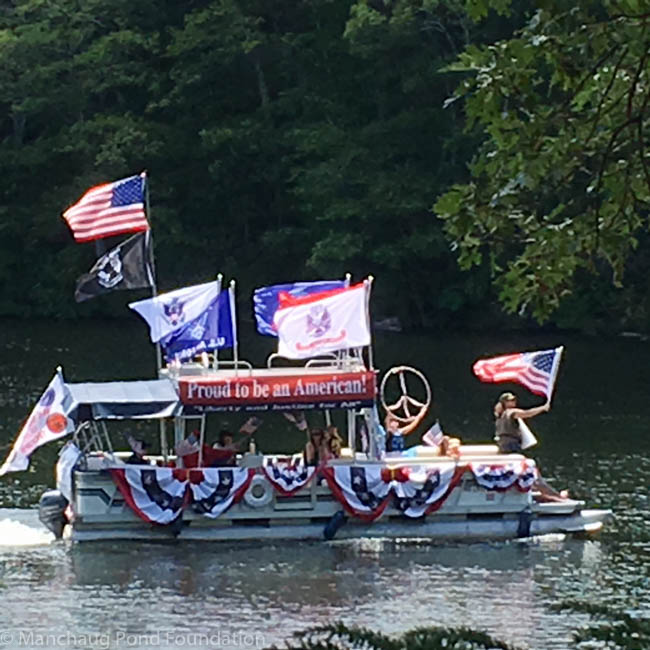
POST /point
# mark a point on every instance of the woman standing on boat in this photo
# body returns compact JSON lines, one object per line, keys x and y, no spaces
{"x":507,"y":418}
{"x":508,"y":436}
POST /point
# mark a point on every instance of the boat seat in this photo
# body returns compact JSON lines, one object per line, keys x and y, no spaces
{"x":479,"y":450}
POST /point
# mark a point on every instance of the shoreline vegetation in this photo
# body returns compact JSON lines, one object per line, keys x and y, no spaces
{"x":607,"y":626}
{"x":296,"y":141}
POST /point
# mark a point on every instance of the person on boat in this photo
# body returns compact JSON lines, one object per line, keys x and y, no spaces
{"x":139,"y":449}
{"x":229,"y":448}
{"x":507,"y":425}
{"x":188,"y":445}
{"x":395,"y":434}
{"x":508,"y":436}
{"x":333,"y":442}
{"x":314,"y":450}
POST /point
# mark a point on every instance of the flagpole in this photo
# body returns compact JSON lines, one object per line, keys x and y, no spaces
{"x":554,"y":371}
{"x":215,"y":359}
{"x":233,"y":323}
{"x":368,"y":284}
{"x":152,"y":262}
{"x":346,"y":354}
{"x":164,"y":451}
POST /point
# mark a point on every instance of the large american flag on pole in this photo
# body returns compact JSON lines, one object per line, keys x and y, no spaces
{"x":109,"y":209}
{"x":534,"y":370}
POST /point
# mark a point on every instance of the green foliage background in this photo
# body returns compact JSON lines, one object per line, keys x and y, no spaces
{"x":283,"y":141}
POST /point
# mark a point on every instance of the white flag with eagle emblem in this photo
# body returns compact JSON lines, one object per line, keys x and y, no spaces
{"x":171,"y":311}
{"x":322,"y":322}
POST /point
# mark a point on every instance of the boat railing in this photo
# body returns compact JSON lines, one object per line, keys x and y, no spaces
{"x":92,"y":436}
{"x":330,"y":361}
{"x":196,"y":368}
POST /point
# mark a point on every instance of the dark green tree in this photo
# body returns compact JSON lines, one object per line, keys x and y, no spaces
{"x":560,"y":186}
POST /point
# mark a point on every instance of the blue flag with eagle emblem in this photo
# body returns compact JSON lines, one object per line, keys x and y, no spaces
{"x":212,"y":330}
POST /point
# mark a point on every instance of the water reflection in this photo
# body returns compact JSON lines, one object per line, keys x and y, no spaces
{"x":504,"y":589}
{"x":594,"y":441}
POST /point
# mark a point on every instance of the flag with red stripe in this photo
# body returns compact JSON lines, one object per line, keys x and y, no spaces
{"x":109,"y":209}
{"x":534,"y":370}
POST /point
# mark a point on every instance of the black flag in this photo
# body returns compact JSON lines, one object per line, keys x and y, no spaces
{"x":126,"y":266}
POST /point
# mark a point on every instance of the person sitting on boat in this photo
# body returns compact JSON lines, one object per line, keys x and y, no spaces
{"x":333,"y":442}
{"x":508,"y":436}
{"x":189,"y":445}
{"x":313,"y":452}
{"x":228,"y":446}
{"x":434,"y":439}
{"x":395,"y":435}
{"x":139,"y":448}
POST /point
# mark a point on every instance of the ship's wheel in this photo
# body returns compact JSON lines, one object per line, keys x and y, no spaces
{"x":405,"y":393}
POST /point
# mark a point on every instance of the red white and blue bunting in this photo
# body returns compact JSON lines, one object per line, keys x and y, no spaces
{"x":365,"y":491}
{"x":288,"y":477}
{"x":427,"y":489}
{"x":160,"y":494}
{"x":157,"y":495}
{"x":362,"y":490}
{"x":219,"y":489}
{"x":520,"y":474}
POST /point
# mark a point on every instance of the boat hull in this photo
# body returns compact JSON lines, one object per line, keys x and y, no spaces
{"x":469,"y":513}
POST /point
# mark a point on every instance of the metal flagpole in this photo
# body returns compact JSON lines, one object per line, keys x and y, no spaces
{"x":346,"y":355}
{"x":368,"y":284}
{"x":554,"y":371}
{"x":233,"y":323}
{"x":152,"y":262}
{"x":154,"y":292}
{"x":215,"y":358}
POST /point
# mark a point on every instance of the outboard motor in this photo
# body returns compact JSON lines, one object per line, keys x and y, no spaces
{"x":51,"y":509}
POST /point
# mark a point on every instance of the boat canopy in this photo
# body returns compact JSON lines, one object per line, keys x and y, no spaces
{"x":125,"y":400}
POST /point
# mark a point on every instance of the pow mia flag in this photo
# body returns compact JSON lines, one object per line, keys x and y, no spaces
{"x":126,"y":266}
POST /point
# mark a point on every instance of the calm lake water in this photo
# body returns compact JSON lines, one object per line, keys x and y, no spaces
{"x":595,"y":441}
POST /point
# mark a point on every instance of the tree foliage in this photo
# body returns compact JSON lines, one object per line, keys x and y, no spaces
{"x":561,"y":184}
{"x":294,"y":140}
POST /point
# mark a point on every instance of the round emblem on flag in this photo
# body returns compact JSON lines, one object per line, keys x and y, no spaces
{"x":109,"y":273}
{"x":319,"y":321}
{"x":48,"y":397}
{"x":57,"y":423}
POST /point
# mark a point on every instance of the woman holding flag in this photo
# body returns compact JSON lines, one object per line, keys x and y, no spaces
{"x":507,"y":420}
{"x":537,"y":371}
{"x":508,"y":435}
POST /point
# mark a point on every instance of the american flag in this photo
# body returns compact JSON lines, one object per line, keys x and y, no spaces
{"x":434,"y":436}
{"x":109,"y":209}
{"x":534,"y":370}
